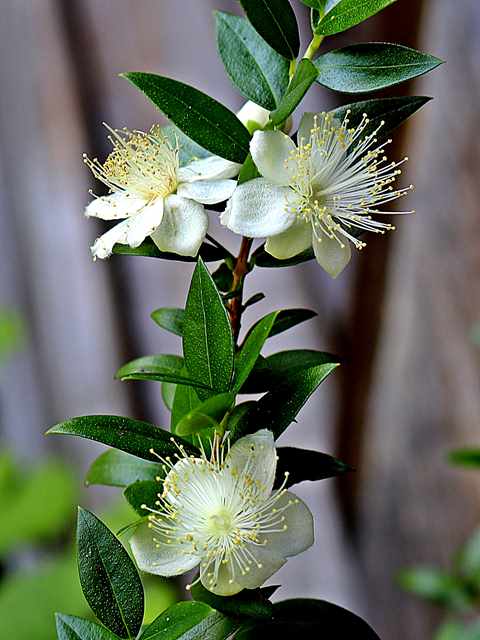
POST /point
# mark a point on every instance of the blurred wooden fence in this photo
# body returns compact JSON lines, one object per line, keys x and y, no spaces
{"x":401,"y":317}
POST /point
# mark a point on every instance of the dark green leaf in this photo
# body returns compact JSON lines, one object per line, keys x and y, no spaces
{"x":201,"y":118}
{"x":119,"y":469}
{"x":161,"y":368}
{"x":251,"y":348}
{"x":133,"y":436}
{"x":170,"y":319}
{"x":184,"y":402}
{"x":188,"y":149}
{"x":469,"y":458}
{"x":149,"y":249}
{"x":263,"y":259}
{"x":251,"y":603}
{"x":248,"y":171}
{"x":207,"y":338}
{"x":319,"y":5}
{"x":258,"y":72}
{"x":303,"y":464}
{"x":109,"y":579}
{"x":391,"y":111}
{"x":144,"y":492}
{"x":205,"y":415}
{"x":255,"y":299}
{"x":371,"y":66}
{"x":347,"y":13}
{"x":305,"y":75}
{"x":223,"y":278}
{"x":436,"y":586}
{"x":73,"y":628}
{"x":190,"y":621}
{"x":275,"y":21}
{"x":288,"y":318}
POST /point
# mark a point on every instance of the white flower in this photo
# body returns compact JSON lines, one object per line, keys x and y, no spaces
{"x":156,"y":196}
{"x":220,"y":512}
{"x":317,"y":193}
{"x":253,"y":116}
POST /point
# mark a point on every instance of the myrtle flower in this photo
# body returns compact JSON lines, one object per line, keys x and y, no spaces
{"x":154,"y":195}
{"x":220,"y":512}
{"x":320,"y":192}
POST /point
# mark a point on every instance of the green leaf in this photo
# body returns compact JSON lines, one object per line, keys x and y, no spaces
{"x":288,"y":318}
{"x":251,"y":348}
{"x":161,"y":368}
{"x":184,"y":402}
{"x":168,"y":394}
{"x":319,"y":5}
{"x":170,"y":319}
{"x":436,"y":586}
{"x":207,"y":414}
{"x":144,"y":492}
{"x":250,"y":603}
{"x":119,"y":469}
{"x":190,"y":621}
{"x":371,"y":66}
{"x":305,"y":75}
{"x":469,"y":558}
{"x":73,"y":628}
{"x":469,"y":458}
{"x":454,"y":631}
{"x":207,"y":338}
{"x":348,"y":13}
{"x":188,"y":149}
{"x":109,"y":579}
{"x":391,"y":111}
{"x":248,"y":171}
{"x":223,"y":278}
{"x":129,"y":435}
{"x":275,"y":21}
{"x":278,"y":408}
{"x":12,"y":333}
{"x":303,"y":464}
{"x":201,"y":118}
{"x":149,"y":249}
{"x":261,"y":258}
{"x":258,"y":72}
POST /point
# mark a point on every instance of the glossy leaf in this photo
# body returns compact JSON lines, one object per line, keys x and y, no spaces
{"x":129,"y":435}
{"x":184,"y":402}
{"x":207,"y":338}
{"x":257,"y":70}
{"x":263,"y":259}
{"x":73,"y":628}
{"x":148,"y":249}
{"x":207,"y":414}
{"x":319,"y":5}
{"x":371,"y":66}
{"x":109,"y":579}
{"x":248,"y":354}
{"x":170,"y":319}
{"x":348,"y":13}
{"x":303,"y":464}
{"x":161,"y":368}
{"x":468,"y":458}
{"x":201,"y":118}
{"x":188,"y":149}
{"x":305,"y":75}
{"x":250,"y":603}
{"x":275,"y":21}
{"x":168,"y":394}
{"x":119,"y":469}
{"x":288,"y":318}
{"x":190,"y":621}
{"x":141,"y":494}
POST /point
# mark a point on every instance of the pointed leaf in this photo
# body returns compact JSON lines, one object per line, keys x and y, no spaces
{"x":275,"y":21}
{"x":109,"y":579}
{"x":305,"y":75}
{"x":207,"y":337}
{"x":141,"y":494}
{"x":116,"y":468}
{"x":251,"y":603}
{"x":251,"y":348}
{"x":161,"y":368}
{"x":201,"y":118}
{"x":205,"y":415}
{"x":288,"y":318}
{"x":184,"y":402}
{"x":348,"y":13}
{"x":263,"y":259}
{"x":73,"y":628}
{"x":170,"y":319}
{"x":149,"y":249}
{"x":303,"y":464}
{"x":468,"y":458}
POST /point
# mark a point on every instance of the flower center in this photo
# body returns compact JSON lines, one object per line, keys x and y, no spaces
{"x":221,"y":523}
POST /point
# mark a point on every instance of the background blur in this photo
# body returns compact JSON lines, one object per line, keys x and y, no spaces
{"x":404,"y":317}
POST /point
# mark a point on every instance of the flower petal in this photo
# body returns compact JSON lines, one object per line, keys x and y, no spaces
{"x":207,"y":191}
{"x":253,"y":116}
{"x":254,"y":458}
{"x":258,"y":209}
{"x":331,"y":255}
{"x":291,"y":242}
{"x":115,"y":206}
{"x":267,"y":562}
{"x":211,"y":168}
{"x":184,"y":227}
{"x":298,"y":535}
{"x":131,"y":231}
{"x":160,"y":559}
{"x":270,"y":150}
{"x":224,"y":585}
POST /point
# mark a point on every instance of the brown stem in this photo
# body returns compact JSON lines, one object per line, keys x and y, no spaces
{"x":240,"y":270}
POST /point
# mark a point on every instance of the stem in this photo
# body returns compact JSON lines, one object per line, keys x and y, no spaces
{"x":313,"y":47}
{"x":291,"y":70}
{"x":234,"y":306}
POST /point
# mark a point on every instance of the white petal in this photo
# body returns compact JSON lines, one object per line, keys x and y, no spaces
{"x":113,"y":207}
{"x":258,"y":209}
{"x":306,"y":126}
{"x":270,"y":150}
{"x":254,"y":456}
{"x":211,"y":168}
{"x":164,"y":559}
{"x":298,"y":536}
{"x":267,"y":563}
{"x":131,"y":231}
{"x":225,"y":585}
{"x":253,"y":116}
{"x":184,"y":227}
{"x":185,"y":473}
{"x":207,"y":191}
{"x":331,"y":255}
{"x":291,"y":242}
